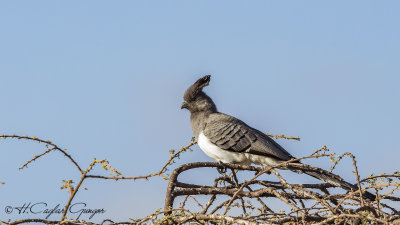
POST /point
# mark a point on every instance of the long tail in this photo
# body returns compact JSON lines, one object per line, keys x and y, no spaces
{"x":330,"y":178}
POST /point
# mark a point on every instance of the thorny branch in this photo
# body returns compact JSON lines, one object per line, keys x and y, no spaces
{"x":248,"y":201}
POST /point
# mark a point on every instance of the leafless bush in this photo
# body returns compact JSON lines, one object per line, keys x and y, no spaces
{"x":226,"y":200}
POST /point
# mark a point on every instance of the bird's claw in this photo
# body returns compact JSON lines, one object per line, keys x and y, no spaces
{"x":222,"y":170}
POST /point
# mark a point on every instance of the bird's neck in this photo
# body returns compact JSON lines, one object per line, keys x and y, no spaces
{"x":197,"y":120}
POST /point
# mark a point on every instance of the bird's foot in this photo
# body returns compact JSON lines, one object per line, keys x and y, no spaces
{"x":222,"y":170}
{"x":231,"y":178}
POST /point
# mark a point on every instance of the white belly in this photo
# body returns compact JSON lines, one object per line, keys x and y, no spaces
{"x":219,"y":154}
{"x":225,"y":156}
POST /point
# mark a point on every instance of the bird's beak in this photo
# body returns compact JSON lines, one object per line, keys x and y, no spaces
{"x":184,"y":105}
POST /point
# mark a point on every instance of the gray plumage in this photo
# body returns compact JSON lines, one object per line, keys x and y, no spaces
{"x":230,"y":140}
{"x":231,"y":134}
{"x":227,"y":132}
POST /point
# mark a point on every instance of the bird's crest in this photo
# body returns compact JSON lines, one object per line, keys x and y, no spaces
{"x":196,"y":88}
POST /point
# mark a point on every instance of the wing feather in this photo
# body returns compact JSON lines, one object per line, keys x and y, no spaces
{"x":232,"y":134}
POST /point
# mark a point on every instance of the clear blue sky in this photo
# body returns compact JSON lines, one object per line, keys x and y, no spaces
{"x":105,"y":79}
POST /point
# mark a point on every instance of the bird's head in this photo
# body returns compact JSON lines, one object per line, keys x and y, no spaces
{"x":195,"y":100}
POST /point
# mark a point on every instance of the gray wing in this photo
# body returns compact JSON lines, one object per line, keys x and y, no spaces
{"x":231,"y":134}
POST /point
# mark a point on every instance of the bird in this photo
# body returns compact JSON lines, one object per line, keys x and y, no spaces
{"x":227,"y":139}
